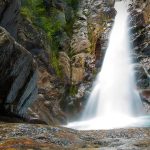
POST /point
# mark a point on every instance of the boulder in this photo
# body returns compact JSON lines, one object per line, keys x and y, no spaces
{"x":18,"y":78}
{"x":47,"y":108}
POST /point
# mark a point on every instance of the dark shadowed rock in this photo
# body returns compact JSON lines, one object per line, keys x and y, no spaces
{"x":9,"y":15}
{"x":139,"y":32}
{"x":18,"y":78}
{"x":140,"y":41}
{"x":141,"y":77}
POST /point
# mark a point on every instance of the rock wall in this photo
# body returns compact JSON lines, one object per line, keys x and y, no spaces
{"x":87,"y":47}
{"x":140,"y":40}
{"x":78,"y":52}
{"x":86,"y":31}
{"x":18,"y":78}
{"x":50,"y":86}
{"x":19,"y":75}
{"x":9,"y":15}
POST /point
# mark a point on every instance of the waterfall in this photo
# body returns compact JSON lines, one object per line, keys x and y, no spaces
{"x":114,"y":101}
{"x":114,"y":90}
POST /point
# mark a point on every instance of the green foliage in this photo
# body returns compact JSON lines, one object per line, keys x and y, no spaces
{"x":26,"y":13}
{"x":68,"y":27}
{"x":73,"y":4}
{"x":35,"y":12}
{"x":73,"y":90}
{"x":51,"y":22}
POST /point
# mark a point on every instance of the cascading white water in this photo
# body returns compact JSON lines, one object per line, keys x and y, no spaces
{"x":114,"y":101}
{"x":114,"y":91}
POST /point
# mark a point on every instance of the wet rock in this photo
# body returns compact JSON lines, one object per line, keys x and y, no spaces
{"x":141,"y":77}
{"x":139,"y":35}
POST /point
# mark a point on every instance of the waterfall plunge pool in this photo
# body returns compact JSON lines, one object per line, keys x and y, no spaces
{"x":111,"y":122}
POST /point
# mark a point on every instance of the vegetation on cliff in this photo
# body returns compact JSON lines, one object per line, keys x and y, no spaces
{"x":46,"y":16}
{"x":54,"y":18}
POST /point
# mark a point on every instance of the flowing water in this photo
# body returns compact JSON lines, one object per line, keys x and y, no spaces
{"x":114,"y":101}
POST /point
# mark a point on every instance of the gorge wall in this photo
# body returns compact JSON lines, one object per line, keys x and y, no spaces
{"x":63,"y":43}
{"x":140,"y":30}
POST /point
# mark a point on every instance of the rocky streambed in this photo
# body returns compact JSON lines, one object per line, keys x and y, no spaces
{"x":43,"y":137}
